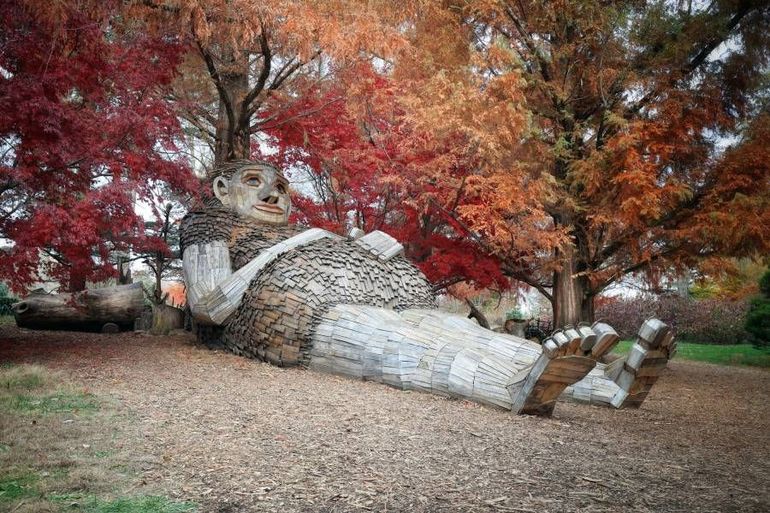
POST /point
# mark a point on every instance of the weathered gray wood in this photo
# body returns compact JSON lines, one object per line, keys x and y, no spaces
{"x":626,"y":382}
{"x":380,"y":244}
{"x":354,"y":306}
{"x":88,"y":310}
{"x":215,"y":291}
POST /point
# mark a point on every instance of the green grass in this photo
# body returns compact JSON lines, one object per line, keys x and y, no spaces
{"x":140,"y":504}
{"x":52,"y":462}
{"x":26,"y":389}
{"x":623,"y":347}
{"x":17,"y":377}
{"x":738,"y":354}
{"x":13,"y":489}
{"x":17,"y":487}
{"x":60,"y":402}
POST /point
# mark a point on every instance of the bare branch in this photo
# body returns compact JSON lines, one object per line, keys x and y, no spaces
{"x":223,"y":96}
{"x":261,"y":125}
{"x":696,"y":61}
{"x":264,"y":74}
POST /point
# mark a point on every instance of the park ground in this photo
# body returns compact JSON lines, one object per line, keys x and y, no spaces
{"x":133,"y":423}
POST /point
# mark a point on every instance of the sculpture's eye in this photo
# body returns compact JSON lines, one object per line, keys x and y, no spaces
{"x":281,"y":188}
{"x":253,"y":181}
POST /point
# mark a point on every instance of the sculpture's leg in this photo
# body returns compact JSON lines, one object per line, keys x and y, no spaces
{"x":380,"y":345}
{"x":521,"y":351}
{"x":440,"y":353}
{"x":565,"y":357}
{"x":626,"y":382}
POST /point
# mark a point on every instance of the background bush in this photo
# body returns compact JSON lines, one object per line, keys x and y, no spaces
{"x":704,"y":321}
{"x":758,"y":317}
{"x":5,"y":305}
{"x":5,"y":300}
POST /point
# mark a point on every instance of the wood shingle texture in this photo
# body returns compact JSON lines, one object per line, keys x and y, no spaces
{"x":355,"y":306}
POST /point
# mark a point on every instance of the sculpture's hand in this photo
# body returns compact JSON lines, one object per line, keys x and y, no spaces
{"x":206,"y":267}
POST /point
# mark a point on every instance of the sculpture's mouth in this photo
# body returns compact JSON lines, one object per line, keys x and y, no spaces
{"x":271,"y":208}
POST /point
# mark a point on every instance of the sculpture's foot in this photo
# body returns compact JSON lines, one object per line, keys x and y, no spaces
{"x":568,"y":355}
{"x":636,"y":374}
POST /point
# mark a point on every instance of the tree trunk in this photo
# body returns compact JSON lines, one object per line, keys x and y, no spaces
{"x":89,"y":310}
{"x":572,"y":300}
{"x":232,"y":133}
{"x":587,"y":312}
{"x":158,"y":292}
{"x":77,"y":281}
{"x":124,"y":270}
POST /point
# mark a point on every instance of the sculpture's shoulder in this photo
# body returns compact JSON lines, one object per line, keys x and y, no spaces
{"x":358,"y":267}
{"x":207,"y":224}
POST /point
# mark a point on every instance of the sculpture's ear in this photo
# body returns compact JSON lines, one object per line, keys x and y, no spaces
{"x":221,"y":190}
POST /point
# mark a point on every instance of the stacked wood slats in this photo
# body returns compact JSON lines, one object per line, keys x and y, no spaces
{"x":627,"y":381}
{"x":289,"y":295}
{"x":595,"y":388}
{"x":357,"y":307}
{"x":422,"y":350}
{"x":568,"y":356}
{"x":380,"y":244}
{"x":648,"y":357}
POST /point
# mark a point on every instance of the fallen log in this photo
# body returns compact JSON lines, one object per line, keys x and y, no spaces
{"x":89,"y":310}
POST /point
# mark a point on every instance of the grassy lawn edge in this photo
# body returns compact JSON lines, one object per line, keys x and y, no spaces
{"x":736,"y":354}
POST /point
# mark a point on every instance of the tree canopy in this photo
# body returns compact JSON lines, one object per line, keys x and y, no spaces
{"x":561,"y":144}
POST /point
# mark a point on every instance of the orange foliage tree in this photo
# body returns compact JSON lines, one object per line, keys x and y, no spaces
{"x":612,"y":137}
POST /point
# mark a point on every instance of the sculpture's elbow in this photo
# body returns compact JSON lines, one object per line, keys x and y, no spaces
{"x":196,"y":299}
{"x":201,"y":314}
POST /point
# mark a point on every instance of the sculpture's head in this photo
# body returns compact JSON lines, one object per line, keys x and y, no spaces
{"x":254,"y":189}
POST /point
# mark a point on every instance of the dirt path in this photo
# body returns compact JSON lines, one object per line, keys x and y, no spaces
{"x":237,"y":435}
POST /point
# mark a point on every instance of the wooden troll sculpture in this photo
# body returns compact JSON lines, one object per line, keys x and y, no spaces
{"x":355,"y":306}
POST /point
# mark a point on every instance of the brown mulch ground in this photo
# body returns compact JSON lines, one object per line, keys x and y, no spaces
{"x":237,"y":435}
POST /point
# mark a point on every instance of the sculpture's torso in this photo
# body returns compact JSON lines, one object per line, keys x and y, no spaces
{"x":283,"y":304}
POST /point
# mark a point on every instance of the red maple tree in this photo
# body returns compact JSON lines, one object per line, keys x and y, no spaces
{"x":84,"y":133}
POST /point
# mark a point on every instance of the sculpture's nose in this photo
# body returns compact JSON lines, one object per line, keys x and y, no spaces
{"x":272,"y":199}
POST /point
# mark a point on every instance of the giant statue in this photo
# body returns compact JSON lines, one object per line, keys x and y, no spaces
{"x":355,"y":306}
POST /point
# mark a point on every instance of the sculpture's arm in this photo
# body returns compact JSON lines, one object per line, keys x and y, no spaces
{"x":214,"y":291}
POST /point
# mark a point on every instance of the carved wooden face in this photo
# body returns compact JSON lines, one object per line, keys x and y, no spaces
{"x":258,"y":191}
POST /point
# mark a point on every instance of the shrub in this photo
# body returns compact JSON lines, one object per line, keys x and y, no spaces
{"x":705,"y":321}
{"x":6,"y":300}
{"x":758,"y":317}
{"x":5,"y":305}
{"x":758,"y":321}
{"x":764,"y":284}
